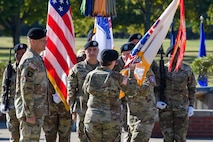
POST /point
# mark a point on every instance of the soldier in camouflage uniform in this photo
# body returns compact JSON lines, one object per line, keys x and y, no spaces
{"x":75,"y":79}
{"x":102,"y":87}
{"x":177,"y":105}
{"x":142,"y":110}
{"x":31,"y":87}
{"x":58,"y":121}
{"x":120,"y":62}
{"x":12,"y":121}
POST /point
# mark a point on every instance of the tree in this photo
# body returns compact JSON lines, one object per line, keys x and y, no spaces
{"x":15,"y":13}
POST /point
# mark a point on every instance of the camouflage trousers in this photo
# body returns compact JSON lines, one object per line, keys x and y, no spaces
{"x":13,"y":125}
{"x":103,"y":132}
{"x":140,"y":131}
{"x":80,"y":129}
{"x":30,"y":132}
{"x":174,"y":125}
{"x":58,"y":122}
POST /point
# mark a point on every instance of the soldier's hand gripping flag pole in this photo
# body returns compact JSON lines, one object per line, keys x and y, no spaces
{"x":148,"y":46}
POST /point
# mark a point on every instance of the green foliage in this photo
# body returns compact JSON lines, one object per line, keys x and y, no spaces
{"x":203,"y":65}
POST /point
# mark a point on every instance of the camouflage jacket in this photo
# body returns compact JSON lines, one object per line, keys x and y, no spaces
{"x":31,"y":86}
{"x":75,"y":80}
{"x":142,"y":101}
{"x":102,"y":87}
{"x":179,"y":91}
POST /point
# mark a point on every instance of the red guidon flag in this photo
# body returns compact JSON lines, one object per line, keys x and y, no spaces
{"x":59,"y":55}
{"x":180,"y":40}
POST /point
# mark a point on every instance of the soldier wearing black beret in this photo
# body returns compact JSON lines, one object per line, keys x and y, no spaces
{"x":107,"y":56}
{"x":125,"y":50}
{"x":32,"y":86}
{"x":36,"y":33}
{"x":19,"y":46}
{"x":135,"y":38}
{"x":91,"y":43}
{"x":101,"y":88}
{"x":75,"y":80}
{"x":12,"y":121}
{"x":19,"y":50}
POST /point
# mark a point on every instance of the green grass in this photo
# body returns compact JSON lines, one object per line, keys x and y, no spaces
{"x":192,"y":47}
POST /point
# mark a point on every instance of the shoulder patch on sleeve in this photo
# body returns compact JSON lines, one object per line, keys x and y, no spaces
{"x":32,"y":66}
{"x":152,"y":79}
{"x":124,"y":82}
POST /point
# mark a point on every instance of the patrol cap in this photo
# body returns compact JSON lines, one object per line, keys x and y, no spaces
{"x":108,"y":55}
{"x":90,"y":35}
{"x":127,"y":46}
{"x":91,"y":43}
{"x":19,"y":46}
{"x":134,"y":36}
{"x":36,"y":33}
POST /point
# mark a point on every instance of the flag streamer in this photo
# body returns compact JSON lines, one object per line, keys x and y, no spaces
{"x":59,"y":55}
{"x":105,"y":8}
{"x":180,"y":40}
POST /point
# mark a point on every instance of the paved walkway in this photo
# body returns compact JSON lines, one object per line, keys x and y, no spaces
{"x":4,"y":136}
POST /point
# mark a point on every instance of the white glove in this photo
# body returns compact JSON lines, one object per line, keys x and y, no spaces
{"x":161,"y":105}
{"x":190,"y":111}
{"x":3,"y":109}
{"x":56,"y":98}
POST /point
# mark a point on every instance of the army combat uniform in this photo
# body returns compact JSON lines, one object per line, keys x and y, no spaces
{"x":58,"y":121}
{"x":178,"y":95}
{"x":77,"y":103}
{"x":31,"y":98}
{"x":142,"y":110}
{"x":102,"y":119}
{"x":12,"y":121}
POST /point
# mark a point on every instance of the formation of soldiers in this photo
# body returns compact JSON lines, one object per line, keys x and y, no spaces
{"x":104,"y":99}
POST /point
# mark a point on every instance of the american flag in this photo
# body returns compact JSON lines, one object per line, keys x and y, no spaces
{"x":59,"y":55}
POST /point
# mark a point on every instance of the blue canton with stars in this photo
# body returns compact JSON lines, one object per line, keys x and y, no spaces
{"x":61,"y":6}
{"x":104,"y":24}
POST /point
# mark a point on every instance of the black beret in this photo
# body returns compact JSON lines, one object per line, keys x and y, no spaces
{"x":134,"y":36}
{"x":19,"y":46}
{"x":127,"y":46}
{"x":108,"y":55}
{"x":90,"y":35}
{"x":36,"y":33}
{"x":91,"y":43}
{"x":170,"y":49}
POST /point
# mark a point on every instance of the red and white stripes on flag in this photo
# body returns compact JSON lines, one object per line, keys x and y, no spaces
{"x":59,"y":55}
{"x":103,"y":33}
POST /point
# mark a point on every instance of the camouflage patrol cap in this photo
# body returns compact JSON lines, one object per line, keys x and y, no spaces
{"x":36,"y":33}
{"x":19,"y":46}
{"x":127,"y":47}
{"x":91,"y":43}
{"x":134,"y":36}
{"x":108,"y":55}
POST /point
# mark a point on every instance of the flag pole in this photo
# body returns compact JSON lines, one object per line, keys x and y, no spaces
{"x":202,"y":78}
